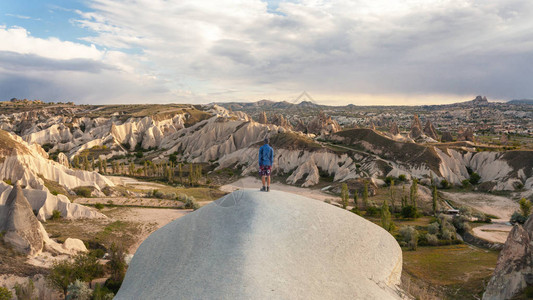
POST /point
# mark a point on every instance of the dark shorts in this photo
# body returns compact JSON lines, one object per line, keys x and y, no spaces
{"x":264,"y":170}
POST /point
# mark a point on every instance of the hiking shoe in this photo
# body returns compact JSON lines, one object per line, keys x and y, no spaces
{"x":263,"y":189}
{"x":268,"y":189}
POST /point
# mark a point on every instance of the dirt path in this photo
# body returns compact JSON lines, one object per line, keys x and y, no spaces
{"x":501,"y":207}
{"x":127,"y":181}
{"x":252,"y":183}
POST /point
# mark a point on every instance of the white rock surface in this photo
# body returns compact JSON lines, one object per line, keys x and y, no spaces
{"x":256,"y":245}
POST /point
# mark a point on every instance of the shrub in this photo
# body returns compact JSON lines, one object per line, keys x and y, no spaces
{"x":5,"y":293}
{"x":410,"y":236}
{"x":461,"y":224}
{"x":528,"y":291}
{"x":117,"y":265}
{"x":55,"y":193}
{"x":83,"y":267}
{"x":56,"y":214}
{"x":465,"y":183}
{"x":433,"y":228}
{"x":78,"y":290}
{"x":157,"y":194}
{"x":402,"y":178}
{"x":517,"y":218}
{"x":25,"y":291}
{"x":525,"y":207}
{"x":409,"y":212}
{"x":99,"y":206}
{"x":372,"y":211}
{"x":8,"y":181}
{"x":83,"y":191}
{"x":190,"y":202}
{"x":432,"y":239}
{"x":446,"y":234}
{"x":444,"y":184}
{"x":474,"y":178}
{"x":388,"y":180}
{"x":102,"y":293}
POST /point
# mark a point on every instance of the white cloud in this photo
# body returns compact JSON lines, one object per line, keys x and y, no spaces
{"x":239,"y":50}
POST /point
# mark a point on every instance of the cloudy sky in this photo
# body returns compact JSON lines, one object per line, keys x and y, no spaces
{"x":198,"y":51}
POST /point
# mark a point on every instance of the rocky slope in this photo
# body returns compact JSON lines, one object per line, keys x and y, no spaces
{"x":515,"y":264}
{"x":266,"y":245}
{"x":212,"y":134}
{"x":28,"y":165}
{"x":23,"y":231}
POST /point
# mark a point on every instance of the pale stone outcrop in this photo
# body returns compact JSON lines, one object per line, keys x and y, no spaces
{"x":24,"y":164}
{"x":515,"y":264}
{"x":259,"y":245}
{"x":21,"y":227}
{"x":63,"y":159}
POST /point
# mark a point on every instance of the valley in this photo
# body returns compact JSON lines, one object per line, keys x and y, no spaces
{"x":106,"y":175}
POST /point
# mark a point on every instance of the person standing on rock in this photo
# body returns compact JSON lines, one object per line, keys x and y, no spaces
{"x":266,"y":159}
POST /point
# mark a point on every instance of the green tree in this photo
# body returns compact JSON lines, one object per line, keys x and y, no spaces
{"x":434,"y":200}
{"x":365,"y":195}
{"x":65,"y":272}
{"x":386,"y":220}
{"x":391,"y":193}
{"x":525,"y":207}
{"x":180,"y":172}
{"x":355,"y":200}
{"x":191,"y":174}
{"x":132,"y":169}
{"x":344,"y":195}
{"x":404,"y":197}
{"x":413,"y":195}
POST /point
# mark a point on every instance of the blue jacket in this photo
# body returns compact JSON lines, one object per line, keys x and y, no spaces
{"x":266,"y":155}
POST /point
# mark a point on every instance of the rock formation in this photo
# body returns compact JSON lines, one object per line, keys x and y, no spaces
{"x":63,"y":159}
{"x":22,"y":229}
{"x":262,"y":118}
{"x":266,"y":245}
{"x":446,"y":137}
{"x":514,"y":269}
{"x":416,"y":128}
{"x":28,"y":165}
{"x":394,"y":129}
{"x":280,"y":121}
{"x":465,"y":135}
{"x":323,"y":125}
{"x":430,"y":131}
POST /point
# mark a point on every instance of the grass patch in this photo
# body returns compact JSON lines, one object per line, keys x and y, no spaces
{"x":462,"y":270}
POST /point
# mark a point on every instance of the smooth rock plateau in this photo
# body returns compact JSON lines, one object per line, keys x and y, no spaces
{"x":257,"y":245}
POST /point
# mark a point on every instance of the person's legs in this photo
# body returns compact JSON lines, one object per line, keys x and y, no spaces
{"x":263,"y":180}
{"x":268,"y":181}
{"x":268,"y":186}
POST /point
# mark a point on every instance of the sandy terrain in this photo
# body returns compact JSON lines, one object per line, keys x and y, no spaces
{"x":254,"y":183}
{"x":151,"y":218}
{"x":143,"y":185}
{"x":151,"y":202}
{"x":499,"y":206}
